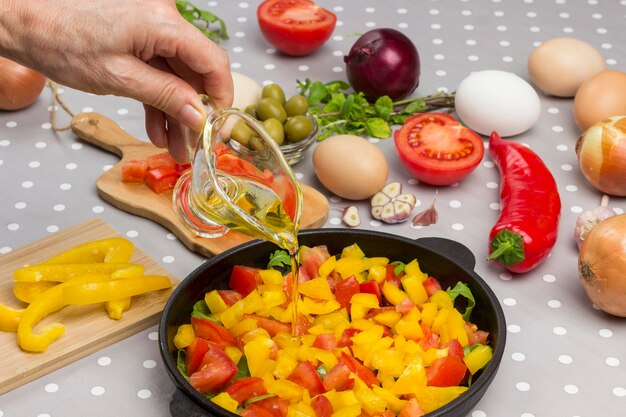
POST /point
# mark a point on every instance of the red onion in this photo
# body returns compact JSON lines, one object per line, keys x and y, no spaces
{"x":383,"y":62}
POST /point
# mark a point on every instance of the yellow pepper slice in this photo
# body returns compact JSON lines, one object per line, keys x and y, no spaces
{"x":184,"y":336}
{"x":9,"y":318}
{"x":113,"y":289}
{"x":28,"y":291}
{"x":115,"y":308}
{"x":113,"y":250}
{"x":65,"y":272}
{"x":225,"y":401}
{"x":478,"y":357}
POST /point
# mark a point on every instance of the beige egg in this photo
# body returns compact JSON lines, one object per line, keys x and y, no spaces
{"x":600,"y":97}
{"x":350,"y":166}
{"x":559,"y":66}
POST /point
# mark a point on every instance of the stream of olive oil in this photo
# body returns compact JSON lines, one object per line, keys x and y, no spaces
{"x":262,"y":203}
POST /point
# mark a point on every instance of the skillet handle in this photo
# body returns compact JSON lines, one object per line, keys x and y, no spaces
{"x":451,"y":249}
{"x":183,"y":406}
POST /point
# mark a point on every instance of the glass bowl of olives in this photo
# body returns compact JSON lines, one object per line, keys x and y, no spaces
{"x":286,"y":120}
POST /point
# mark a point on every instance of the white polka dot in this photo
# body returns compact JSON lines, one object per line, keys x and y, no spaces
{"x":606,"y":46}
{"x":370,"y":10}
{"x":576,"y":209}
{"x":562,"y":148}
{"x":435,"y":26}
{"x":58,"y":207}
{"x":606,"y":333}
{"x":338,"y":38}
{"x":527,"y":415}
{"x":494,"y":206}
{"x":470,"y":42}
{"x":243,"y":5}
{"x":338,"y":53}
{"x":553,"y":110}
{"x":413,"y":181}
{"x":571,"y":188}
{"x":149,"y":364}
{"x":76,"y":146}
{"x":97,"y":209}
{"x":144,"y":393}
{"x":97,"y":391}
{"x":565,"y":359}
{"x":534,"y":29}
{"x":559,"y":331}
{"x":169,"y":236}
{"x":492,"y":185}
{"x":513,"y":328}
{"x":439,"y":57}
{"x":612,"y":361}
{"x":478,"y":413}
{"x":566,"y":167}
{"x":51,"y":388}
{"x":466,"y":12}
{"x":518,"y":356}
{"x":269,"y":66}
{"x":235,"y":65}
{"x":370,"y":24}
{"x":71,"y":166}
{"x":554,"y":303}
{"x":337,"y":69}
{"x":335,"y":221}
{"x":564,"y":15}
{"x":34,"y":164}
{"x":13,"y":227}
{"x":271,"y":51}
{"x":5,"y":142}
{"x":65,"y":186}
{"x":238,"y":49}
{"x":104,"y":361}
{"x":20,"y":205}
{"x":506,"y":276}
{"x":43,"y":415}
{"x":501,"y":28}
{"x":522,"y":386}
{"x":46,"y":126}
{"x":122,"y":111}
{"x":5,"y":249}
{"x":568,"y":30}
{"x":457,"y":226}
{"x":619,"y":391}
{"x":507,"y":58}
{"x":168,"y":259}
{"x":509,"y":302}
{"x":557,"y":129}
{"x":402,"y":11}
{"x":107,"y":167}
{"x":303,"y":68}
{"x":132,"y":233}
{"x":455,"y":203}
{"x":153,"y":336}
{"x":469,"y":28}
{"x":570,"y":389}
{"x":11,"y":124}
{"x":53,"y":228}
{"x":473,"y":58}
{"x":40,"y":145}
{"x":611,"y":61}
{"x":87,"y":109}
{"x":505,"y":43}
{"x":240,"y":34}
{"x":27,"y":184}
{"x":375,"y":223}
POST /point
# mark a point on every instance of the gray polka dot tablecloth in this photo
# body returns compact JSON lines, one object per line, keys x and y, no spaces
{"x":563,"y":358}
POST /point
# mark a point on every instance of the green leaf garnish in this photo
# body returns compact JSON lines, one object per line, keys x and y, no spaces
{"x":278,"y":259}
{"x":463,"y":290}
{"x":399,"y":267}
{"x":203,"y":20}
{"x":201,"y":311}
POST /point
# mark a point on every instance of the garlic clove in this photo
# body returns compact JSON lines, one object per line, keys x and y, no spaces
{"x":403,"y":210}
{"x":387,"y":214}
{"x":351,"y":216}
{"x":380,"y":199}
{"x":377,"y":212}
{"x":393,"y":189}
{"x":408,"y":198}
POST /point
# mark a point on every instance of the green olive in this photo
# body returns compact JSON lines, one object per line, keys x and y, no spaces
{"x":298,"y":128}
{"x":241,"y":132}
{"x":274,"y":91}
{"x":256,"y":143}
{"x":251,"y":110}
{"x":296,"y":105}
{"x":275,"y":128}
{"x":268,"y":108}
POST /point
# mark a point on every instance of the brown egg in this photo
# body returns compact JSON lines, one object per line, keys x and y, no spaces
{"x":559,"y":66}
{"x":600,"y":97}
{"x":350,"y":166}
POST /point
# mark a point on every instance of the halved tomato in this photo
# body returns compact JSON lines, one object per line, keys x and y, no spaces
{"x":295,"y":27}
{"x":306,"y":376}
{"x":448,"y":371}
{"x":437,"y":149}
{"x":322,"y":406}
{"x":213,"y":332}
{"x":216,"y":370}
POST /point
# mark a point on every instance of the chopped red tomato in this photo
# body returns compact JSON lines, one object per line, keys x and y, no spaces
{"x":405,"y":306}
{"x":195,"y":353}
{"x":306,"y":376}
{"x":161,"y":179}
{"x":366,"y":374}
{"x":326,"y":341}
{"x":391,"y":275}
{"x":454,"y":349}
{"x":474,"y":335}
{"x":213,"y":332}
{"x":448,"y":371}
{"x":346,"y":337}
{"x":244,"y":279}
{"x":256,"y":410}
{"x":245,"y":388}
{"x":338,"y":378}
{"x":345,"y":290}
{"x":181,"y":168}
{"x":430,"y":338}
{"x":431,"y":285}
{"x":302,"y":325}
{"x":216,"y":370}
{"x":272,"y":326}
{"x":295,"y":27}
{"x":236,"y":166}
{"x":312,"y":258}
{"x":412,"y":409}
{"x":230,"y":297}
{"x":437,"y":149}
{"x":160,"y":160}
{"x":371,"y":287}
{"x":322,"y":406}
{"x":134,"y":171}
{"x":278,"y":406}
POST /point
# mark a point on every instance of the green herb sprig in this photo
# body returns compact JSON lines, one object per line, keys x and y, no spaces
{"x":203,"y":20}
{"x":339,"y":112}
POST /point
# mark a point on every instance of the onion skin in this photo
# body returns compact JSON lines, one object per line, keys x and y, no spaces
{"x":19,"y":86}
{"x":601,"y":152}
{"x":383,"y":62}
{"x":601,"y":265}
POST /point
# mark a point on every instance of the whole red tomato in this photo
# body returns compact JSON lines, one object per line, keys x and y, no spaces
{"x":295,"y":27}
{"x":436,"y":149}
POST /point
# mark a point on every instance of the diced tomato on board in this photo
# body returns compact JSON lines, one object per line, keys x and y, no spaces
{"x":134,"y":171}
{"x":161,"y":179}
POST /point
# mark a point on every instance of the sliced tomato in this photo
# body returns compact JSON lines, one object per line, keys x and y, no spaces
{"x":326,"y":341}
{"x":272,"y":326}
{"x":295,"y":27}
{"x":474,"y":335}
{"x":437,"y":149}
{"x":431,"y":285}
{"x":230,"y":297}
{"x":181,"y":168}
{"x":306,"y":376}
{"x":236,"y":166}
{"x":391,"y":275}
{"x":345,"y":290}
{"x":346,"y":337}
{"x":278,"y":406}
{"x":195,"y":353}
{"x":213,"y":332}
{"x":161,"y":179}
{"x":302,"y":325}
{"x":256,"y":410}
{"x":430,"y":338}
{"x":448,"y":371}
{"x":322,"y":406}
{"x":216,"y":371}
{"x":363,"y":372}
{"x":412,"y":409}
{"x":312,"y":258}
{"x":244,"y":279}
{"x":338,"y":378}
{"x":245,"y":388}
{"x":405,"y":306}
{"x":454,"y":349}
{"x":134,"y":171}
{"x":371,"y":287}
{"x":160,"y":160}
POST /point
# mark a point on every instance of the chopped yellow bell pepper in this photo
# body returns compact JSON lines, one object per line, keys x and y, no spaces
{"x":215,"y":302}
{"x":369,"y":400}
{"x":233,"y":315}
{"x":327,"y":358}
{"x":409,"y":325}
{"x":271,"y":276}
{"x":431,"y":398}
{"x":252,"y":302}
{"x":429,"y":311}
{"x":286,"y":362}
{"x":412,"y":377}
{"x":310,"y":307}
{"x":361,"y":303}
{"x":393,"y":294}
{"x":389,"y":317}
{"x":257,"y":352}
{"x":9,"y":318}
{"x":184,"y":336}
{"x":433,"y":354}
{"x":332,"y":320}
{"x":478,"y":358}
{"x":224,"y":400}
{"x":316,"y":288}
{"x":377,"y":273}
{"x":286,"y":389}
{"x":442,"y":299}
{"x":388,"y":361}
{"x":349,"y":411}
{"x":413,"y":286}
{"x":115,"y":308}
{"x":28,"y":291}
{"x":113,"y":250}
{"x":342,"y":399}
{"x":346,"y":267}
{"x":300,"y":409}
{"x":244,"y":326}
{"x":113,"y":289}
{"x":413,"y":268}
{"x":394,"y":403}
{"x":455,"y":329}
{"x":352,"y":251}
{"x":327,"y":266}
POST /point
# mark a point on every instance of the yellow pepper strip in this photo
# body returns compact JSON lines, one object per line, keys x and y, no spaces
{"x":115,"y":308}
{"x":113,"y":289}
{"x":112,"y":250}
{"x":9,"y":318}
{"x":28,"y":291}
{"x":478,"y":357}
{"x":43,"y":305}
{"x":184,"y":336}
{"x":225,"y":401}
{"x":65,"y":272}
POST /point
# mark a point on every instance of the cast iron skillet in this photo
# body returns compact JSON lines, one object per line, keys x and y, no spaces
{"x":445,"y":259}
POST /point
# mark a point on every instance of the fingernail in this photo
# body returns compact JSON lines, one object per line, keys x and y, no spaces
{"x":190,"y":116}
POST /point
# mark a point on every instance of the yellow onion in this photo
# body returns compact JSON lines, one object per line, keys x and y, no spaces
{"x":602,"y":265}
{"x":601,"y":154}
{"x":19,"y":86}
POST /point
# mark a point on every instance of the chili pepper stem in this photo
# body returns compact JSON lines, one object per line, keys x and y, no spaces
{"x":507,"y":248}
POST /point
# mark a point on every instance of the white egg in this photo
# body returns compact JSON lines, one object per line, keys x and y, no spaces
{"x":246,"y":92}
{"x":500,"y":101}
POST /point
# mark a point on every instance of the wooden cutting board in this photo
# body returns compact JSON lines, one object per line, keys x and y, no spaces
{"x":140,"y":200}
{"x":88,"y":327}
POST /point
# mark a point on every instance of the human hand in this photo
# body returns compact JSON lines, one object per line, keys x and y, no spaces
{"x":141,"y":49}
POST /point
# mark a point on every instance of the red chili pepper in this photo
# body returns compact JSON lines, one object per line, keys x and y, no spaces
{"x":527,"y":228}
